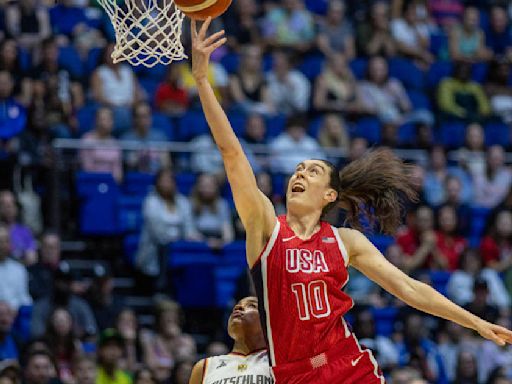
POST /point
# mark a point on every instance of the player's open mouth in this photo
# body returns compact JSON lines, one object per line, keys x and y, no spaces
{"x":298,"y":188}
{"x":237,"y":315}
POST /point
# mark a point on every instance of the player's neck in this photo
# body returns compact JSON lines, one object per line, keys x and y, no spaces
{"x":305,"y":225}
{"x":249,"y":345}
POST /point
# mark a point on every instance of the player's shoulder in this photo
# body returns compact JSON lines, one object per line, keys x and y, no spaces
{"x":198,"y":372}
{"x":352,"y":238}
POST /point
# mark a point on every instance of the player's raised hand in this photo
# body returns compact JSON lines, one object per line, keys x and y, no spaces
{"x":500,"y":335}
{"x":202,"y":47}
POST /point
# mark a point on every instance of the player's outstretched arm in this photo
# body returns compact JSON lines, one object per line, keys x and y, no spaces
{"x":255,"y":210}
{"x":369,"y":261}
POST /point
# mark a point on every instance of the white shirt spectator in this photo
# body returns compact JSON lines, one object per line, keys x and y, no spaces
{"x":206,"y":158}
{"x":291,"y":94}
{"x":287,"y":152}
{"x":14,"y":284}
{"x":408,"y":34}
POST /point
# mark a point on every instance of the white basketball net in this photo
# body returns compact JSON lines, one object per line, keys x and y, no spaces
{"x":148,"y":32}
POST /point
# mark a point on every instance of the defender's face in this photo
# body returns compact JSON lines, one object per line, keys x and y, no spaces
{"x":309,"y":186}
{"x":245,"y":318}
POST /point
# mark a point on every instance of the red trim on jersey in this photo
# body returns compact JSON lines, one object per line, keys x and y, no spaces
{"x":250,"y":353}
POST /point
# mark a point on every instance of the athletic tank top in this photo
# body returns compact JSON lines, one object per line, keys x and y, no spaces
{"x":118,"y":88}
{"x":299,"y":286}
{"x":236,"y":368}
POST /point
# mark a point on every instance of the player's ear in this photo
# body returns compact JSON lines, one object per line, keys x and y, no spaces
{"x":331,"y":195}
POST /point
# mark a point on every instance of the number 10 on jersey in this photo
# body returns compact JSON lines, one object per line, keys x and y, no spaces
{"x":312,"y":299}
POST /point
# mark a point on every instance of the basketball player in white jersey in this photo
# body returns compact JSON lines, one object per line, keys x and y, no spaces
{"x":248,"y":361}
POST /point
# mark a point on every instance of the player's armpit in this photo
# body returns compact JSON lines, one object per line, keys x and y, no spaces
{"x":198,"y":372}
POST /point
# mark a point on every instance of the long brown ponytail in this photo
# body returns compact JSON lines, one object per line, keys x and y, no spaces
{"x":376,"y":187}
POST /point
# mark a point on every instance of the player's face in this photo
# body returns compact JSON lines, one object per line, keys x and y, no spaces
{"x":245,"y":319}
{"x":309,"y":186}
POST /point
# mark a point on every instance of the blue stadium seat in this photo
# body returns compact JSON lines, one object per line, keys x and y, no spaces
{"x":164,"y":124}
{"x":439,"y":44}
{"x":317,"y":6}
{"x":479,"y":217}
{"x":231,"y":62}
{"x":190,"y":247}
{"x":138,"y":183}
{"x":279,"y":184}
{"x":185,"y":182}
{"x":438,"y":71}
{"x":407,"y":134}
{"x":234,"y":254}
{"x":419,"y":100}
{"x":452,"y":134}
{"x":385,"y":320}
{"x":358,"y":67}
{"x":369,"y":128}
{"x":70,"y":60}
{"x":130,"y":246}
{"x":25,"y":59}
{"x":312,"y":66}
{"x":275,"y":125}
{"x":497,"y":133}
{"x":194,"y":284}
{"x":237,"y":121}
{"x":86,"y":117}
{"x":314,"y":126}
{"x":130,"y":213}
{"x":150,"y":86}
{"x":479,"y":72}
{"x":225,"y":284}
{"x":99,"y":194}
{"x":192,"y":124}
{"x":21,"y":326}
{"x":382,"y":242}
{"x":93,"y":59}
{"x":407,"y":72}
{"x":440,"y":280}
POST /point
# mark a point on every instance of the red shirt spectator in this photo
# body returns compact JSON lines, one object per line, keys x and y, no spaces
{"x":449,"y":245}
{"x":496,"y":247}
{"x":172,"y":98}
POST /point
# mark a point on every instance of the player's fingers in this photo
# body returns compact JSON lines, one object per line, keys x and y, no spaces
{"x":204,"y":28}
{"x":213,"y":37}
{"x":216,"y":45}
{"x":193,"y":27}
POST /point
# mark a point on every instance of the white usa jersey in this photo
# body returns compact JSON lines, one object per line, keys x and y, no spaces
{"x":236,"y":368}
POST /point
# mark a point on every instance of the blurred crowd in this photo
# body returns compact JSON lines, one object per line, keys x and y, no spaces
{"x":300,"y":79}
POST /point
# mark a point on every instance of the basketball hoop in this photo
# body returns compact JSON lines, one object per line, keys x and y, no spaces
{"x":147,"y":32}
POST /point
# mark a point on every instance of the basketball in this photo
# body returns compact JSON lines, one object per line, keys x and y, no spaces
{"x":202,"y":9}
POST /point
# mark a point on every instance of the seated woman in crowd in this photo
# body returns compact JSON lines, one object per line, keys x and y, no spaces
{"x":496,"y":245}
{"x":374,"y":36}
{"x":333,"y":133}
{"x":27,"y":22}
{"x":449,"y":243}
{"x":171,"y":96}
{"x":211,"y":212}
{"x":102,"y":153}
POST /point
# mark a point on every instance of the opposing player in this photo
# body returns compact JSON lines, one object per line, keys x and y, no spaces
{"x":248,"y":361}
{"x":299,"y":262}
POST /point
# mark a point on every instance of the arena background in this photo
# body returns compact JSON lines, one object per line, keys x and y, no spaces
{"x":91,"y":252}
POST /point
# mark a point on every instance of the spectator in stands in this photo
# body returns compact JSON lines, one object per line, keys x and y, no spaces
{"x":460,"y":285}
{"x":14,"y":278}
{"x":417,"y":351}
{"x":386,"y":98}
{"x":496,"y":245}
{"x":492,"y":185}
{"x":412,"y":37}
{"x":446,"y":13}
{"x":480,"y":305}
{"x":24,"y":247}
{"x":146,"y":159}
{"x":115,"y":86}
{"x":171,"y":97}
{"x":64,"y":346}
{"x":248,"y":86}
{"x":102,"y":153}
{"x":84,"y":370}
{"x":334,"y":133}
{"x":467,"y":369}
{"x":289,"y":25}
{"x":241,"y":24}
{"x":144,"y":376}
{"x":10,"y":62}
{"x":127,"y":326}
{"x":437,"y":173}
{"x":255,"y":134}
{"x":84,"y":323}
{"x":160,"y":351}
{"x":374,"y":36}
{"x":467,"y":40}
{"x":382,"y":347}
{"x":105,"y":304}
{"x":205,"y":156}
{"x":499,"y":91}
{"x":211,"y":212}
{"x":67,"y":19}
{"x":167,"y":217}
{"x":336,"y":88}
{"x":335,"y":34}
{"x":28,"y":22}
{"x":461,"y":98}
{"x":293,"y":146}
{"x":39,"y":368}
{"x":10,"y":372}
{"x":110,"y":351}
{"x":453,"y":198}
{"x":449,"y":243}
{"x":405,"y":375}
{"x":217,"y":348}
{"x":498,"y":36}
{"x":9,"y":343}
{"x":289,"y":89}
{"x":472,"y":156}
{"x":41,"y":274}
{"x":493,"y":358}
